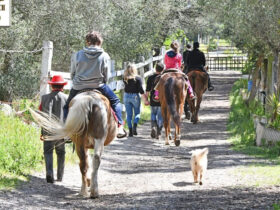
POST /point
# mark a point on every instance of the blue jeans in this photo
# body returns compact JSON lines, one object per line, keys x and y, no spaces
{"x":156,"y":115}
{"x":132,"y":102}
{"x":106,"y":91}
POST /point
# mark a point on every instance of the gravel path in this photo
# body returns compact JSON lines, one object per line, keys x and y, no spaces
{"x":143,"y":173}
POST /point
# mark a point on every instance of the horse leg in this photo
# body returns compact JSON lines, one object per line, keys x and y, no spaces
{"x":199,"y":99}
{"x":98,"y":149}
{"x":83,"y":156}
{"x":192,"y":109}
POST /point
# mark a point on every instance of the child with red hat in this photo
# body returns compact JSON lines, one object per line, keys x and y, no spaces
{"x":52,"y":104}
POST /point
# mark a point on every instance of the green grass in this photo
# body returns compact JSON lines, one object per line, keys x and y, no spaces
{"x":20,"y":150}
{"x":261,"y":174}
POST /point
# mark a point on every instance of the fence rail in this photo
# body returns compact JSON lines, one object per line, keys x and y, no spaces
{"x":114,"y":77}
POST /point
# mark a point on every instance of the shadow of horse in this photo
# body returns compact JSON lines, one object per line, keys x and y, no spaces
{"x":172,"y":89}
{"x":90,"y":125}
{"x":199,"y":83}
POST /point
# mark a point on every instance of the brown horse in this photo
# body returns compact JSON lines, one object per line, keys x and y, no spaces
{"x":199,"y":83}
{"x":172,"y":89}
{"x":90,"y":124}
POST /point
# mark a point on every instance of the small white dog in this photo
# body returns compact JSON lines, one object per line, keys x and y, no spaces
{"x":199,"y":163}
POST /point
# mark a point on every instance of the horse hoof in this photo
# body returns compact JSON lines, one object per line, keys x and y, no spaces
{"x":94,"y":195}
{"x":170,"y":137}
{"x":177,"y":143}
{"x":166,"y":143}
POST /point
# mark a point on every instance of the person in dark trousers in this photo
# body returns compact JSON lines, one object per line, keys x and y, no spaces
{"x":132,"y":100}
{"x":89,"y":70}
{"x":156,"y":117}
{"x":196,"y":60}
{"x":52,"y":104}
{"x":185,"y":70}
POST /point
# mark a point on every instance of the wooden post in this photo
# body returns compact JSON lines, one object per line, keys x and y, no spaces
{"x":162,"y":52}
{"x":46,"y":66}
{"x":142,"y":71}
{"x":151,"y":67}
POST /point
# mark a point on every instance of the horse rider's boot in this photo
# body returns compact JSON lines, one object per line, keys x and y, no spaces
{"x":60,"y":166}
{"x":210,"y":86}
{"x":135,"y":129}
{"x":121,"y":133}
{"x":159,"y":129}
{"x":49,"y":167}
{"x":130,"y":132}
{"x":154,"y":128}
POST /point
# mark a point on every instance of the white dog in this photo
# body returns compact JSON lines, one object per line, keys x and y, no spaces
{"x":199,"y":163}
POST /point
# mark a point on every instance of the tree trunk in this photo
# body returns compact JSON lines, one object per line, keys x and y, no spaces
{"x":255,"y":76}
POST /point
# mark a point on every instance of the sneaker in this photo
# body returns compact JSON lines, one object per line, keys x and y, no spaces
{"x":192,"y":97}
{"x":154,"y":132}
{"x":210,"y":88}
{"x":121,"y":132}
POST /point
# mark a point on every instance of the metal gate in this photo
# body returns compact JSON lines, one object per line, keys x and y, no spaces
{"x":224,"y":63}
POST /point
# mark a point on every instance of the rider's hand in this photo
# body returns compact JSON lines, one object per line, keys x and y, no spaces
{"x":147,"y":103}
{"x":42,"y":138}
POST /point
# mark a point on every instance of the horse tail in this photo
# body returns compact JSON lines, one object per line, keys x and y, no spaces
{"x":170,"y":100}
{"x":77,"y":121}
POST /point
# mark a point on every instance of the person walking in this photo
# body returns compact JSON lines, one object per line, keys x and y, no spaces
{"x":156,"y":117}
{"x":52,"y":104}
{"x":132,"y":100}
{"x":89,"y":70}
{"x":196,"y":60}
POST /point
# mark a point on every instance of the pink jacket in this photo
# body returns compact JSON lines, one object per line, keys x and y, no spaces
{"x":172,"y":60}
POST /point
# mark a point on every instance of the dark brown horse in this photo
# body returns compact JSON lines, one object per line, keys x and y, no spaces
{"x":90,"y":124}
{"x":172,"y":89}
{"x":199,"y":82}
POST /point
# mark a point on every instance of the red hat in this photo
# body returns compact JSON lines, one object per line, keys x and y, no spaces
{"x":57,"y":80}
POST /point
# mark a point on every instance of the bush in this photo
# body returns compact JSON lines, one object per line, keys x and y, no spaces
{"x":241,"y":126}
{"x":20,"y":147}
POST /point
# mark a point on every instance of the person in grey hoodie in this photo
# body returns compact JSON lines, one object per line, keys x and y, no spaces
{"x":89,"y":68}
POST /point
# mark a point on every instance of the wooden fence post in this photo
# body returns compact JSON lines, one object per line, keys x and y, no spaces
{"x":46,"y":66}
{"x":162,"y":52}
{"x":142,"y":72}
{"x":151,"y":67}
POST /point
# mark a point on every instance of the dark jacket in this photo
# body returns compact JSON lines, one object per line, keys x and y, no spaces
{"x":52,"y":104}
{"x":196,"y":59}
{"x":185,"y":59}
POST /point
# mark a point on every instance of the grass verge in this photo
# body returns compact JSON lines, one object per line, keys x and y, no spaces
{"x":241,"y":128}
{"x":20,"y":151}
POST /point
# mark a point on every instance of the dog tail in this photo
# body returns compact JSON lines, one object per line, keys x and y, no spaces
{"x":200,"y":152}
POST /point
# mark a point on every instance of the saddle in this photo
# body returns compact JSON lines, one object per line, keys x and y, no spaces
{"x":167,"y":71}
{"x":89,"y":90}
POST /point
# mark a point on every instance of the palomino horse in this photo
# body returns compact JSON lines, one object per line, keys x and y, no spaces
{"x":199,"y":83}
{"x":90,"y":124}
{"x":172,"y":89}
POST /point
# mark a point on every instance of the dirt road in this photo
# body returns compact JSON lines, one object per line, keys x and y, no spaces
{"x":143,"y":173}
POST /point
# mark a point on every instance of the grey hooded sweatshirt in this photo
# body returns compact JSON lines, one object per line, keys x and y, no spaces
{"x":89,"y":68}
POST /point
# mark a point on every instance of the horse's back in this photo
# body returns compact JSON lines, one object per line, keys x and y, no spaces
{"x":101,"y":120}
{"x":198,"y":80}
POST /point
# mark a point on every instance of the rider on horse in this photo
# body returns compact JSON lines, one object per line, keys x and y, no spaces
{"x":172,"y":60}
{"x":196,"y":60}
{"x":89,"y":68}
